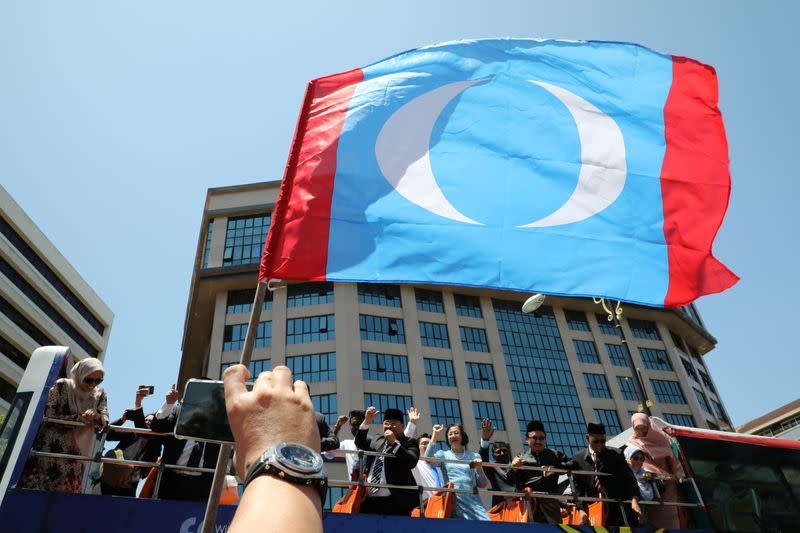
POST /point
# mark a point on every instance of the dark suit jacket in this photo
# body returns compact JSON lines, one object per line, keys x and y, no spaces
{"x":494,"y":476}
{"x":398,"y":467}
{"x":534,"y":479}
{"x":173,"y":448}
{"x":327,"y":438}
{"x":620,"y":484}
{"x":152,"y":447}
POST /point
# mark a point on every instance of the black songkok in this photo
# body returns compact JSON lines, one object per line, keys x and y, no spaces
{"x":534,"y":425}
{"x":595,"y":429}
{"x":393,"y":414}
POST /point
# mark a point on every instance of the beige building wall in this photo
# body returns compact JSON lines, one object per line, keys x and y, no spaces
{"x":43,"y":300}
{"x":681,"y":338}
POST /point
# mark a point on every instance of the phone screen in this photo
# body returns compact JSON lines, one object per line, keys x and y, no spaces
{"x":202,"y":415}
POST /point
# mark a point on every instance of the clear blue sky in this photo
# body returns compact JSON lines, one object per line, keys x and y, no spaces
{"x":115,"y":117}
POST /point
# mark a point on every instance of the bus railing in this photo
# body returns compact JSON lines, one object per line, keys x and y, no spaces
{"x":529,"y":497}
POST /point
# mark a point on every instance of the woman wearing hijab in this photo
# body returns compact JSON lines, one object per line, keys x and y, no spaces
{"x":78,"y":398}
{"x":661,"y":461}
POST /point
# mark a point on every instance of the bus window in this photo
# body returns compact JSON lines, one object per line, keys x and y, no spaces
{"x":11,"y":425}
{"x":745,"y":487}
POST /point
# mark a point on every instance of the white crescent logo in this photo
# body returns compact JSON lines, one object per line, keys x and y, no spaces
{"x":402,"y":150}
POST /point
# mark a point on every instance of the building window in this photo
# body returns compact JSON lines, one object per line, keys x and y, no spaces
{"x":718,"y":410}
{"x":314,"y":367}
{"x":445,"y":411}
{"x":7,"y":390}
{"x":644,"y":329}
{"x":606,"y":326}
{"x":597,"y":385}
{"x":490,"y":410}
{"x":473,"y":339}
{"x":309,"y":294}
{"x":379,"y":294}
{"x":434,"y":335}
{"x":655,"y":359}
{"x":689,"y":367}
{"x":468,"y":306}
{"x":668,"y":391}
{"x":677,"y":341}
{"x":256,"y":367}
{"x":207,"y":248}
{"x":481,"y":376}
{"x":326,"y":404}
{"x":539,"y":374}
{"x":381,"y":329}
{"x":13,"y":353}
{"x":576,"y":320}
{"x":627,"y":388}
{"x":430,"y":301}
{"x":707,"y":382}
{"x":242,"y":301}
{"x":244,"y":240}
{"x":233,"y":336}
{"x":693,"y":314}
{"x":439,"y":372}
{"x":384,"y":367}
{"x":386,"y":401}
{"x":701,"y":399}
{"x":679,"y":420}
{"x":586,"y":351}
{"x":310,"y":329}
{"x":610,"y":419}
{"x":617,"y":355}
{"x":334,"y":495}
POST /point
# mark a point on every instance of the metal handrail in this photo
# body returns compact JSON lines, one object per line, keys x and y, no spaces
{"x":120,"y":429}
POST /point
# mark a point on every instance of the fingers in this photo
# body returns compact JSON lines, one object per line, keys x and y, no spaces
{"x":300,"y":387}
{"x":282,"y":377}
{"x":234,"y":380}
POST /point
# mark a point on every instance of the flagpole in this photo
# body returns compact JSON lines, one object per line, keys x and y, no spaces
{"x":210,"y":519}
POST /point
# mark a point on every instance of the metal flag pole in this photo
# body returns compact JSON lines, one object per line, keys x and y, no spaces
{"x":615,"y":316}
{"x":225,"y":450}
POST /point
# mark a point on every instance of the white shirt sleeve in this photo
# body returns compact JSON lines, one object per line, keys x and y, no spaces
{"x":165,"y":410}
{"x":410,"y":431}
{"x":485,"y":443}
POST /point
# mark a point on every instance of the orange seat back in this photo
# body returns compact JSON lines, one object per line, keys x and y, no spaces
{"x":439,"y":505}
{"x":351,"y":501}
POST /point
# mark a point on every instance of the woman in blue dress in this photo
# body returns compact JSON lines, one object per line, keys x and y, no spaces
{"x":468,"y":506}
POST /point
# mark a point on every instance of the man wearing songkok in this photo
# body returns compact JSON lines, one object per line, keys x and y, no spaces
{"x":399,"y":457}
{"x":539,"y":455}
{"x":619,"y":484}
{"x":495,"y":452}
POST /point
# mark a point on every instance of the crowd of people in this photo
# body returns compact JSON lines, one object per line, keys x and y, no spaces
{"x":646,"y":470}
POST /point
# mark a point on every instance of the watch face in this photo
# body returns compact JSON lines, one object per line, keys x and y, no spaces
{"x":299,"y":457}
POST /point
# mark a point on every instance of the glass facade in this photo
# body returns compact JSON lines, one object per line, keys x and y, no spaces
{"x":434,"y":335}
{"x":689,"y":367}
{"x":586,"y":351}
{"x":617,"y":355}
{"x":439,"y":372}
{"x":314,"y":367}
{"x":627,"y":388}
{"x":256,"y":367}
{"x":326,"y":404}
{"x":244,"y":240}
{"x":430,"y":301}
{"x":481,"y":376}
{"x":597,"y":385}
{"x":445,"y":411}
{"x":668,"y":391}
{"x":610,"y":419}
{"x":655,"y":359}
{"x":468,"y":306}
{"x":384,"y":367}
{"x":304,"y":294}
{"x":539,"y":372}
{"x":242,"y":301}
{"x":310,"y":329}
{"x":576,"y":320}
{"x":473,"y":339}
{"x":701,"y":399}
{"x":490,"y":410}
{"x":233,"y":336}
{"x":207,"y":248}
{"x":385,"y":401}
{"x":679,"y":420}
{"x":707,"y":382}
{"x":379,"y":294}
{"x":606,"y":326}
{"x":381,"y":329}
{"x":644,"y":329}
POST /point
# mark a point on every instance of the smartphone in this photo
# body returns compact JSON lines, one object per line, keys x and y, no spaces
{"x":150,"y":389}
{"x":202,"y":413}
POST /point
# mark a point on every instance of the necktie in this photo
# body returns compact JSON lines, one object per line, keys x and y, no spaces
{"x":377,"y":470}
{"x":197,"y":453}
{"x":597,"y":488}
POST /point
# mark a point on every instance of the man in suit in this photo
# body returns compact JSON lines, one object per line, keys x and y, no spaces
{"x":401,"y":454}
{"x":495,"y":452}
{"x":620,"y":484}
{"x":539,"y":455}
{"x":183,"y":484}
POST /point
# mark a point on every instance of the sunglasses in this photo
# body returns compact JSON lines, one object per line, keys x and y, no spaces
{"x":95,"y":381}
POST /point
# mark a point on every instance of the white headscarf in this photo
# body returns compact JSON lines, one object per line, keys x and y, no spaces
{"x":79,"y":399}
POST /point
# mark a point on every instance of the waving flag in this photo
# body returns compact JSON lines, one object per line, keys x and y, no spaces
{"x":573,"y":168}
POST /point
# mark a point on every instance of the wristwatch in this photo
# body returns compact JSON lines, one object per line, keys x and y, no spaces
{"x":292,"y":462}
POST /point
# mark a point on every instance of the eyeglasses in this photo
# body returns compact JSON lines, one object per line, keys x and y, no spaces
{"x":537,"y":438}
{"x":91,"y":381}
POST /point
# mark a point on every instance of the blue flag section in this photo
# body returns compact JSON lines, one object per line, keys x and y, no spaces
{"x":572,"y":168}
